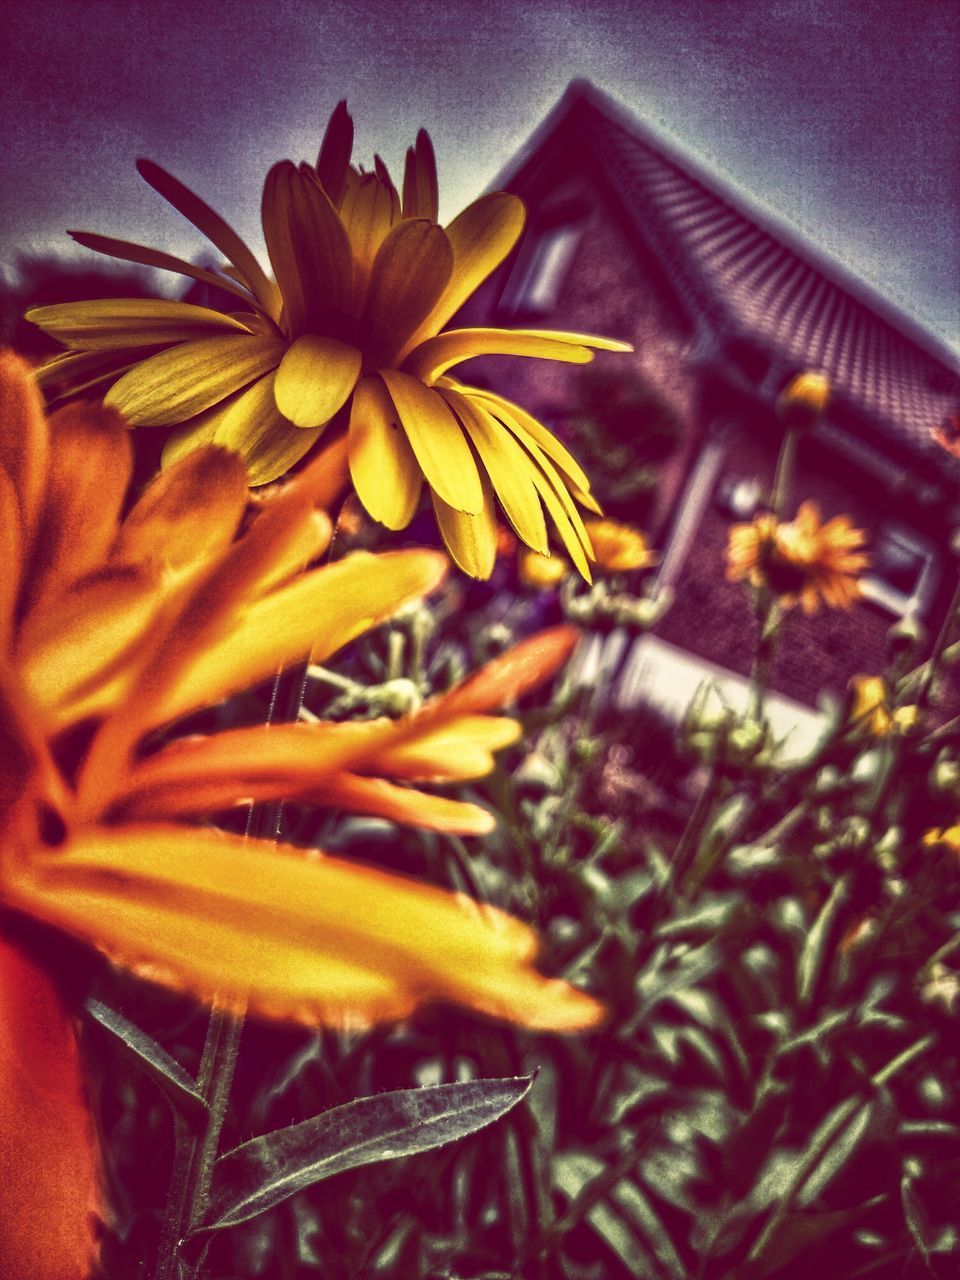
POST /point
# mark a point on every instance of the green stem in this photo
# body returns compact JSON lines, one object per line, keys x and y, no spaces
{"x":195,"y":1154}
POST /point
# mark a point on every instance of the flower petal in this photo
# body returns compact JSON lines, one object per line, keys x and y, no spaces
{"x":508,"y":467}
{"x":185,"y":380}
{"x":457,"y":749}
{"x":421,"y":198}
{"x":112,"y":323}
{"x":383,"y":467}
{"x":188,"y":515}
{"x":147,"y":257}
{"x":255,"y":428}
{"x":369,"y":210}
{"x":333,"y":159}
{"x":24,"y":439}
{"x":217,"y":232}
{"x":513,"y":674}
{"x":308,"y":247}
{"x":435,"y":356}
{"x":381,"y":799}
{"x":471,"y":539}
{"x":49,"y":1192}
{"x":437,"y":440}
{"x":548,"y":442}
{"x":85,"y":494}
{"x":315,"y":379}
{"x":409,"y":274}
{"x":300,"y":935}
{"x":481,"y":237}
{"x":317,"y":613}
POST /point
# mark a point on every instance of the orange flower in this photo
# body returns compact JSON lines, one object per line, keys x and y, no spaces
{"x":802,"y":561}
{"x":114,"y":627}
{"x":617,"y":548}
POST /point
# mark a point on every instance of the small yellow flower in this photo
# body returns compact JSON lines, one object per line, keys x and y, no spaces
{"x":803,"y":399}
{"x":352,"y":327}
{"x":873,"y":709}
{"x":619,"y":548}
{"x":541,"y":572}
{"x":802,"y":561}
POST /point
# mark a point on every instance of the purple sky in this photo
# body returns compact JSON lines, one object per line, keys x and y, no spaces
{"x":842,"y":116}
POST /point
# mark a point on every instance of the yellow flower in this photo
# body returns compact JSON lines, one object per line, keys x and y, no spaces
{"x":617,"y":548}
{"x":353,"y":325}
{"x":873,"y":710}
{"x":802,"y":561}
{"x":113,"y":627}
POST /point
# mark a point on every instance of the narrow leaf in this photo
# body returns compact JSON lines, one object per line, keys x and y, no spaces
{"x":178,"y":1085}
{"x":264,"y":1172}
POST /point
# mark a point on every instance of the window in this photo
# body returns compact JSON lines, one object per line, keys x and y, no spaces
{"x":902,"y":572}
{"x":535,"y":281}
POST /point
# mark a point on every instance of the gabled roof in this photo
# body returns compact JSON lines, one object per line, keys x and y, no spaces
{"x":746,"y":274}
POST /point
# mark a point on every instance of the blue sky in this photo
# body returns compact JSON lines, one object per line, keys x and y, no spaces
{"x":839,"y":115}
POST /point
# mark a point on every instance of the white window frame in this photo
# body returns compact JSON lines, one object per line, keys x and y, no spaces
{"x":536,"y":280}
{"x":900,"y":603}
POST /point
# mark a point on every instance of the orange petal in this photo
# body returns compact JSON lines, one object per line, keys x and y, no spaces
{"x":24,"y":439}
{"x":189,"y":514}
{"x":382,"y":799}
{"x":48,"y":1192}
{"x":457,"y":749}
{"x":513,"y":674}
{"x":299,"y":935}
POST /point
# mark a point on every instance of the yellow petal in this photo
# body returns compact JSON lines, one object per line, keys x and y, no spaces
{"x":508,"y":467}
{"x":481,"y":237}
{"x":318,"y":612}
{"x":74,"y":372}
{"x":217,"y":232}
{"x":435,"y":356}
{"x":185,"y":380}
{"x":109,"y":323}
{"x":437,"y":440}
{"x":384,"y":470}
{"x":299,"y":936}
{"x":548,"y":442}
{"x":127,"y":252}
{"x":368,"y":211}
{"x":420,"y":192}
{"x":315,"y":379}
{"x":308,"y":247}
{"x":470,"y":539}
{"x":188,"y":515}
{"x":408,"y":275}
{"x":255,"y":428}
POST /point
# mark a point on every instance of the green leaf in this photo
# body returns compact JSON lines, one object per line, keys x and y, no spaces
{"x":819,"y":940}
{"x":177,"y":1083}
{"x":264,"y":1172}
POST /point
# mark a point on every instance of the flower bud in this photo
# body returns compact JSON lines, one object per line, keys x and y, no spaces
{"x":803,"y":400}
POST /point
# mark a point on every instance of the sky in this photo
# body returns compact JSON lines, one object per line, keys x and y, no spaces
{"x":840,"y":116}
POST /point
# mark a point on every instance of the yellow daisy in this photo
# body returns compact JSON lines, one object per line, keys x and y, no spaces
{"x":351,"y":325}
{"x":802,"y":561}
{"x":617,"y":548}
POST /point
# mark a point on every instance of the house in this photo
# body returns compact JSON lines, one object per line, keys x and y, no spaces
{"x":629,"y":238}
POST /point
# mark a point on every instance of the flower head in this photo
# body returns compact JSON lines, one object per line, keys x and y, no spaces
{"x":352,"y":326}
{"x":113,"y":627}
{"x":802,"y":401}
{"x":801,"y":561}
{"x":617,"y":548}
